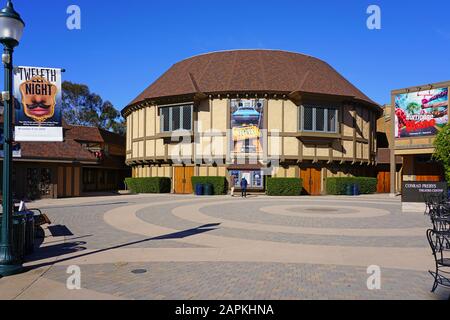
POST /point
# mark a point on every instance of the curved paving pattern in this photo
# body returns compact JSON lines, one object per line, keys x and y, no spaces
{"x":259,"y":248}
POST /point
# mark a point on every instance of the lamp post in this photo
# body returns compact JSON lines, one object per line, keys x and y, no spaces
{"x":11,"y":30}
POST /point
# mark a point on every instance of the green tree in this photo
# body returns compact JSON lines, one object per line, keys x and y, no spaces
{"x":442,"y":152}
{"x":82,"y":107}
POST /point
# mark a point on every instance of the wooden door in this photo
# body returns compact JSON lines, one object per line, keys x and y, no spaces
{"x":312,"y":181}
{"x":188,"y":174}
{"x":428,"y":178}
{"x":182,"y":180}
{"x":384,"y":182}
{"x":178,"y":179}
{"x":431,"y":172}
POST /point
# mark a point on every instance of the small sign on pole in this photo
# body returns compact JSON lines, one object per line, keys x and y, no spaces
{"x":419,"y":192}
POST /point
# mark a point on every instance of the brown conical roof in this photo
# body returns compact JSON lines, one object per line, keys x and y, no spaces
{"x":251,"y":71}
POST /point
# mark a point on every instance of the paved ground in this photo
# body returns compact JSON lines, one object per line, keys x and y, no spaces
{"x":183,"y":247}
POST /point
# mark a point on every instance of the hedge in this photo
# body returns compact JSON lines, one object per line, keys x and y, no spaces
{"x":284,"y":186}
{"x":149,"y":185}
{"x":220,"y":184}
{"x":338,"y":186}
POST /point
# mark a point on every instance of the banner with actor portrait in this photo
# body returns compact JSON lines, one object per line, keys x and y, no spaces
{"x":38,"y":104}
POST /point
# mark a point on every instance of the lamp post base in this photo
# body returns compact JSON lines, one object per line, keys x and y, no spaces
{"x":10,"y":270}
{"x":8,"y":264}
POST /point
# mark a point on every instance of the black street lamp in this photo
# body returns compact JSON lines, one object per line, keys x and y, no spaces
{"x":11,"y":30}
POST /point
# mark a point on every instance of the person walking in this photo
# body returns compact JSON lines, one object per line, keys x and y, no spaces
{"x":244,"y":186}
{"x":233,"y":181}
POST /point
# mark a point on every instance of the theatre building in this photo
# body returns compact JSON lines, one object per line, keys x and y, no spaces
{"x":253,"y":114}
{"x":89,"y":160}
{"x":419,"y":114}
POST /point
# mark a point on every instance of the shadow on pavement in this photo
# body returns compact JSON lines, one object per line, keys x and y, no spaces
{"x":55,"y":251}
{"x":60,"y":231}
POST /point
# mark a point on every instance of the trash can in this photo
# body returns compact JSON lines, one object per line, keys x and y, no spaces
{"x":29,"y":232}
{"x":209,"y":189}
{"x":349,"y":190}
{"x":199,"y":189}
{"x":18,"y":236}
{"x":356,"y":191}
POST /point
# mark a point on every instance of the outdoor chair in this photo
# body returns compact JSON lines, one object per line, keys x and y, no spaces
{"x":437,"y":206}
{"x":439,"y":243}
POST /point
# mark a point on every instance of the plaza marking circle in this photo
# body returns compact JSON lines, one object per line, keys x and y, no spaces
{"x":314,"y":211}
{"x":193,"y":213}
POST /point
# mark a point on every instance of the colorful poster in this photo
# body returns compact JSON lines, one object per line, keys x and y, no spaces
{"x":38,"y":101}
{"x":421,"y":113}
{"x":247,"y":123}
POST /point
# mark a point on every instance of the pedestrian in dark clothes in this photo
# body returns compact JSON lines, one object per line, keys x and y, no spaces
{"x":244,"y":186}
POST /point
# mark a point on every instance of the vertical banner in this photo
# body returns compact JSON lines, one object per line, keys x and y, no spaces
{"x":247,"y":123}
{"x":38,"y":103}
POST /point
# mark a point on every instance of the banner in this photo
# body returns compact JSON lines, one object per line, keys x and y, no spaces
{"x":38,"y":102}
{"x":421,"y":113}
{"x":247,"y":122}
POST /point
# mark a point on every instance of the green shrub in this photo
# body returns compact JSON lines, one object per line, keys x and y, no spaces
{"x":284,"y":186}
{"x":220,"y":184}
{"x":442,"y":152}
{"x":149,"y":185}
{"x":338,"y":186}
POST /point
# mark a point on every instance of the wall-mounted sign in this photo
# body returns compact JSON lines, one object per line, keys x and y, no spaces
{"x":421,"y":113}
{"x":247,"y":122}
{"x":418,"y":191}
{"x":37,"y":92}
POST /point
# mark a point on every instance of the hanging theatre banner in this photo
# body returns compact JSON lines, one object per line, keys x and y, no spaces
{"x":38,"y":103}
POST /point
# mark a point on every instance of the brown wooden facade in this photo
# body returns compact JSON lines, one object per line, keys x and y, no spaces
{"x":90,"y":160}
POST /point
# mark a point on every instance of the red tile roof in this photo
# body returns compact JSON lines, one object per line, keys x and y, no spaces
{"x":71,"y":149}
{"x":250,"y":71}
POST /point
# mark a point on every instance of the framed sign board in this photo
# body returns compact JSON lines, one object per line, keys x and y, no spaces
{"x":418,"y":191}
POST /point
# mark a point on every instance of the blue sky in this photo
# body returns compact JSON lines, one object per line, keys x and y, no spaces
{"x":123,"y":46}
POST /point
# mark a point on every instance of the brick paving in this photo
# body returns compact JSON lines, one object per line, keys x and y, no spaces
{"x":194,"y":278}
{"x":242,"y":281}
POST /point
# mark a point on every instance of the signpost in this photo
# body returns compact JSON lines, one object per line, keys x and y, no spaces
{"x":418,"y":191}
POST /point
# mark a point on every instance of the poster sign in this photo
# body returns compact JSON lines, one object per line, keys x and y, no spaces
{"x":421,"y":113}
{"x":38,"y":96}
{"x":418,"y":191}
{"x":247,"y":121}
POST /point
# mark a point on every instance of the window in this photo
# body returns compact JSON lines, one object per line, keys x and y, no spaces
{"x":176,"y":118}
{"x":319,"y":119}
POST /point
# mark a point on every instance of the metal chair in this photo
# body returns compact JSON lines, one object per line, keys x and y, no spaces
{"x":439,"y":243}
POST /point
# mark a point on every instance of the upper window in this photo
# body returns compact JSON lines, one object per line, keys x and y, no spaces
{"x":319,"y":119}
{"x":176,"y":118}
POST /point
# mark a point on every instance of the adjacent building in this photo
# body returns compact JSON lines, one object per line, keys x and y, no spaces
{"x":253,"y":114}
{"x":89,"y":160}
{"x":419,"y":113}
